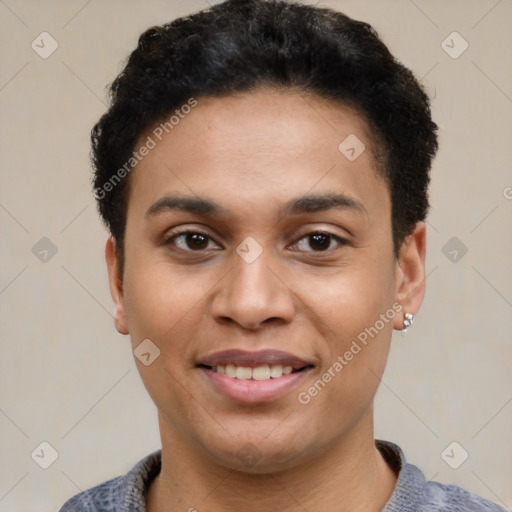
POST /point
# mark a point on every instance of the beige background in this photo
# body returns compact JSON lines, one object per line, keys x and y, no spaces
{"x":69,"y":379}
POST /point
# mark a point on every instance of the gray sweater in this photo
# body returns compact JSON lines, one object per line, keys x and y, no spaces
{"x":412,"y":492}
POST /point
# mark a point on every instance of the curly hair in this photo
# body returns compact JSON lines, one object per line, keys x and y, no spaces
{"x":240,"y":45}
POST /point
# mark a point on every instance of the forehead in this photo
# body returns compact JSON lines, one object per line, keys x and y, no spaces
{"x":268,"y":124}
{"x":262,"y":145}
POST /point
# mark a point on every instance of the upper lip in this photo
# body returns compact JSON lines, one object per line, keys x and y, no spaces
{"x":254,"y":359}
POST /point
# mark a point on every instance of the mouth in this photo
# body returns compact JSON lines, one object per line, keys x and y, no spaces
{"x":262,"y":365}
{"x":252,"y":377}
{"x":264,"y":372}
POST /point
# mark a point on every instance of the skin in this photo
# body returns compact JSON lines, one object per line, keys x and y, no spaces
{"x":252,"y":154}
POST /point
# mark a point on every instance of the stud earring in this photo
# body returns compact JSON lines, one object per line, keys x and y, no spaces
{"x":409,"y":320}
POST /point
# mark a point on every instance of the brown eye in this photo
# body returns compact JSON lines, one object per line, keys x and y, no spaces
{"x":319,"y":242}
{"x":196,"y":241}
{"x":192,"y":241}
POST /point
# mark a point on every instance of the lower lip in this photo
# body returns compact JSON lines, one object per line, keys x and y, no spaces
{"x":254,"y":391}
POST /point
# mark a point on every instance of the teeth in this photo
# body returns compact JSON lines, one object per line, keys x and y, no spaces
{"x":231,"y":371}
{"x":276,"y":371}
{"x":243,"y":373}
{"x":260,"y":373}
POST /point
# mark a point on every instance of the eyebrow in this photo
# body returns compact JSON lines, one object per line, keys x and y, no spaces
{"x":305,"y":204}
{"x":188,"y":204}
{"x":323,"y":202}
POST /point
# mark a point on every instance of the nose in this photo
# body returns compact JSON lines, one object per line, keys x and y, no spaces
{"x":253,"y":295}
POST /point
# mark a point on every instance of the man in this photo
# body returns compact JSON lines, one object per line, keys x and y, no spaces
{"x":263,"y":170}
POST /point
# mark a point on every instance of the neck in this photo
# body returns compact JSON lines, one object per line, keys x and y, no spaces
{"x":351,"y":475}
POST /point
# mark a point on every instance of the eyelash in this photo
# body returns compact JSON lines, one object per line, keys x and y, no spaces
{"x":341,"y":241}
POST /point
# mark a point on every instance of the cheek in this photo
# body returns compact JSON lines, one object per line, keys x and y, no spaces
{"x":365,"y":322}
{"x":347,"y":301}
{"x":164,"y":305}
{"x":160,"y":300}
{"x":354,"y":314}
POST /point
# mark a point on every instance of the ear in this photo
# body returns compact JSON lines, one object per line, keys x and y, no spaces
{"x":116,"y":286}
{"x":410,"y":274}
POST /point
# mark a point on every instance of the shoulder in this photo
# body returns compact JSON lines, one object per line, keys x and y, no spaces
{"x":102,"y":498}
{"x":413,"y":493}
{"x":436,"y":496}
{"x":127,"y":492}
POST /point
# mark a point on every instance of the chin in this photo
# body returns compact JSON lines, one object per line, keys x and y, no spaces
{"x":257,"y":454}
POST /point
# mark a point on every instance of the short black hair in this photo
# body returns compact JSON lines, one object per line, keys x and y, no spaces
{"x":240,"y":45}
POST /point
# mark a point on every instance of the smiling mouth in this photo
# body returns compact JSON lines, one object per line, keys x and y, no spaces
{"x":254,"y":377}
{"x":263,"y":372}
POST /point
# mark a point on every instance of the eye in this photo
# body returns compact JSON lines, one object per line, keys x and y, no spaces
{"x":192,"y":241}
{"x":319,"y":242}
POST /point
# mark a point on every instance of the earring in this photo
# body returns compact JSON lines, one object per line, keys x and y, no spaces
{"x":409,"y":320}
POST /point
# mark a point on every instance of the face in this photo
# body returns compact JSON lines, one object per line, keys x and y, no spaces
{"x":257,"y":257}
